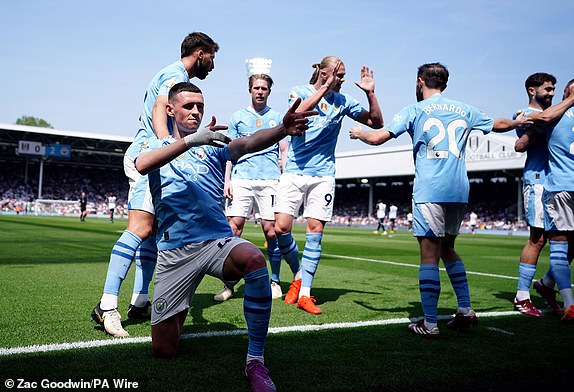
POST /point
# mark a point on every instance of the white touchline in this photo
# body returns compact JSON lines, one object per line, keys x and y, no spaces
{"x":210,"y":334}
{"x":417,"y":266}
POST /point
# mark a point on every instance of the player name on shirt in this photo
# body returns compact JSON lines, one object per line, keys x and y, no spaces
{"x":445,"y":107}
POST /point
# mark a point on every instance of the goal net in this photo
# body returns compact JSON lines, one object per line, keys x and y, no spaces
{"x":56,"y":207}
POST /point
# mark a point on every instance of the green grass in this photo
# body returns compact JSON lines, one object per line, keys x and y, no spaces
{"x":52,"y":272}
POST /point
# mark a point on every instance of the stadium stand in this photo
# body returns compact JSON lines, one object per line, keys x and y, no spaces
{"x":95,"y":166}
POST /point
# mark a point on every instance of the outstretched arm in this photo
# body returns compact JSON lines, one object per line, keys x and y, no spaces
{"x":154,"y":159}
{"x":374,"y":117}
{"x":294,"y":124}
{"x":554,"y":113}
{"x":312,"y":101}
{"x":506,"y":124}
{"x":374,"y":138}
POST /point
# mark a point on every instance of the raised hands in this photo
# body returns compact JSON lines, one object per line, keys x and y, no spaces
{"x":367,"y":83}
{"x":296,"y":123}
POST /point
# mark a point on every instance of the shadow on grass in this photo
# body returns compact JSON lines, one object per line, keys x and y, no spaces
{"x":360,"y":359}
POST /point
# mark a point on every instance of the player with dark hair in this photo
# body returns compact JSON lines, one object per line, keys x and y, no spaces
{"x":197,"y":60}
{"x":540,"y":89}
{"x":554,"y":131}
{"x":83,"y":206}
{"x":186,"y":176}
{"x":439,"y":128}
{"x":111,"y":205}
{"x":381,"y":214}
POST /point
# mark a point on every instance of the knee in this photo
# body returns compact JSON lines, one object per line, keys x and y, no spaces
{"x":253,"y":262}
{"x":270,"y":233}
{"x":143,"y":231}
{"x":281,"y":228}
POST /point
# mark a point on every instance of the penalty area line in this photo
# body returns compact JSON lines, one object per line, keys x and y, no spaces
{"x":43,"y":348}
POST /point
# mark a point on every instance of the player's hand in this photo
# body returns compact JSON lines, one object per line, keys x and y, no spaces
{"x":218,"y":139}
{"x":367,"y":83}
{"x":228,"y":191}
{"x":208,"y":136}
{"x":354,"y":132}
{"x":212,"y":126}
{"x":296,"y":123}
{"x":522,"y":121}
{"x":333,"y":80}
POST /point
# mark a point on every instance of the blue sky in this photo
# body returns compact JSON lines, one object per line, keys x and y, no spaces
{"x":84,"y":66}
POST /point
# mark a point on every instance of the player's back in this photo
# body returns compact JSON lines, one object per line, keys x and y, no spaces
{"x":440,"y":128}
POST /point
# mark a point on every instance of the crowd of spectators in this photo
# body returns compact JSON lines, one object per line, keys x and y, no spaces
{"x":19,"y":193}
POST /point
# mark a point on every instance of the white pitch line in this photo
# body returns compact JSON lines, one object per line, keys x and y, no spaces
{"x":417,"y":266}
{"x":500,"y":330}
{"x":211,"y":334}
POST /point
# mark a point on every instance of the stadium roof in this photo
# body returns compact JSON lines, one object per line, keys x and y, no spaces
{"x":493,"y":152}
{"x":87,"y":149}
{"x":56,"y":132}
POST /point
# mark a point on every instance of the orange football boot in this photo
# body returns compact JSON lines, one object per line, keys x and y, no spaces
{"x":308,"y":305}
{"x":293,"y":293}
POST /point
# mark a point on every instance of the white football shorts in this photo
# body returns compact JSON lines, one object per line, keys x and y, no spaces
{"x":249,"y":194}
{"x":139,"y":196}
{"x":316,"y":193}
{"x":533,"y":205}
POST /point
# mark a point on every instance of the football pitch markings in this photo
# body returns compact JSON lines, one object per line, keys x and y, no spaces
{"x":415,"y":266}
{"x":43,"y":348}
{"x":276,"y":330}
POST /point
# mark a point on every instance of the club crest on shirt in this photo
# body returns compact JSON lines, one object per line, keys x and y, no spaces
{"x":200,"y":153}
{"x":144,"y":146}
{"x":323,"y":106}
{"x":258,"y":123}
{"x":272,"y":123}
{"x":169,"y":84}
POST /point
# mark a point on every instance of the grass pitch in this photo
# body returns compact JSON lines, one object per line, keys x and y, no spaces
{"x":52,"y":271}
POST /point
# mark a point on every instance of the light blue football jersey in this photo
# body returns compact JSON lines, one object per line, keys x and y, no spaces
{"x":159,"y":85}
{"x":561,"y":155}
{"x":314,"y":153}
{"x":439,"y":128}
{"x":536,"y":165}
{"x":261,"y":165}
{"x":187,"y":196}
